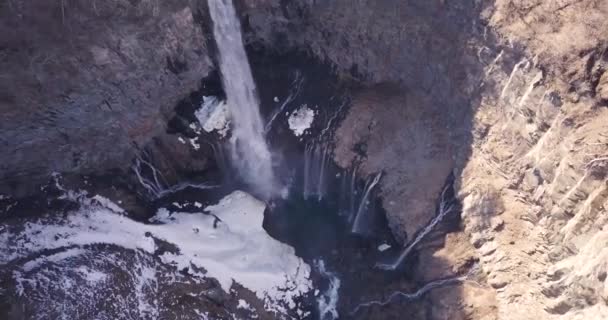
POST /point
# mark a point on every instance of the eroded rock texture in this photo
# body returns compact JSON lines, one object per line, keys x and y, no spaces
{"x":509,"y":95}
{"x":521,"y":86}
{"x":85,"y":83}
{"x":403,"y":135}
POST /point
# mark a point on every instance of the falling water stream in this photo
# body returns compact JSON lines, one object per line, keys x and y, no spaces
{"x":369,"y":186}
{"x":250,"y":153}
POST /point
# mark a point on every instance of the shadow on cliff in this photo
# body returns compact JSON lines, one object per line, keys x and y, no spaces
{"x":436,"y":50}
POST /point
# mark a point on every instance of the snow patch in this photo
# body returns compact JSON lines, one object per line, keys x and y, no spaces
{"x":383,"y":247}
{"x":194,"y":143}
{"x":32,"y":264}
{"x":237,"y":249}
{"x":213,"y":115}
{"x":245,"y":305}
{"x":92,"y":275}
{"x":300,"y":120}
{"x":145,"y":281}
{"x":107,"y":203}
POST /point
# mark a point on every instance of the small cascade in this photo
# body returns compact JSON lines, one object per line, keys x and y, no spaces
{"x":353,"y":194}
{"x":364,"y":204}
{"x":446,"y":206}
{"x":516,"y":68}
{"x":249,"y":153}
{"x":317,"y":160}
{"x":348,"y":193}
{"x":222,"y":163}
{"x":294,"y":91}
{"x":328,"y":300}
{"x":418,"y":293}
{"x":156,"y":185}
{"x":331,"y":121}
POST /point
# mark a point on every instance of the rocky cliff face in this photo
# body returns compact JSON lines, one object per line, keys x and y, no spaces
{"x":534,"y":188}
{"x":84,"y":84}
{"x":511,"y":96}
{"x":425,"y":49}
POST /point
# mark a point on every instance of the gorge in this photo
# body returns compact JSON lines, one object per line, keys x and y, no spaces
{"x":267,"y":159}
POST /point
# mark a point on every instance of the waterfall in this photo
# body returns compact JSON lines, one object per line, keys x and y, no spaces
{"x":294,"y":91}
{"x":348,"y":192}
{"x":249,"y":152}
{"x":220,"y":160}
{"x":364,"y":204}
{"x":353,"y":193}
{"x":316,"y":166}
{"x":445,"y":206}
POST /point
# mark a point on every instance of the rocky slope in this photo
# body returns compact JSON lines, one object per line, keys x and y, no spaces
{"x":534,"y":188}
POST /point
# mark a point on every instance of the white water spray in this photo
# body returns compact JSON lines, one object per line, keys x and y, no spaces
{"x":445,"y":206}
{"x":364,"y":204}
{"x":250,"y":153}
{"x":328,"y":301}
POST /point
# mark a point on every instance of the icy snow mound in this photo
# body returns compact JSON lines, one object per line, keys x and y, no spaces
{"x":228,"y":242}
{"x":213,"y":115}
{"x":301,"y":120}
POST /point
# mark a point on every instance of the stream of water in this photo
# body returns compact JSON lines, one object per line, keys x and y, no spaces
{"x":250,"y":153}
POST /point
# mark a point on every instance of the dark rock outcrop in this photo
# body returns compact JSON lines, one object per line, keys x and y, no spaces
{"x":85,"y":84}
{"x":429,"y":49}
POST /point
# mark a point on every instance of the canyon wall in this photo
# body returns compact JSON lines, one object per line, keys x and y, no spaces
{"x":85,"y":84}
{"x":511,"y":96}
{"x":534,"y":187}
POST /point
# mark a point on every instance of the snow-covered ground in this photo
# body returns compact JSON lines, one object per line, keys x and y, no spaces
{"x":226,"y":242}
